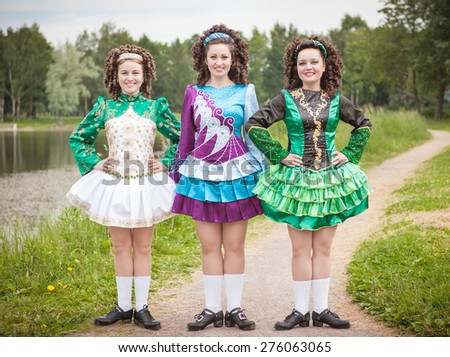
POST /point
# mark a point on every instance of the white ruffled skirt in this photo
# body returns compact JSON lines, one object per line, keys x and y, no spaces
{"x":129,"y":203}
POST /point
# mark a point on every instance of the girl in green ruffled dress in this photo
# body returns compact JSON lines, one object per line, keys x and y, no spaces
{"x":311,"y":186}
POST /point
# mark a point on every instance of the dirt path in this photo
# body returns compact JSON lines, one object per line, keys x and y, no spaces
{"x":268,"y":295}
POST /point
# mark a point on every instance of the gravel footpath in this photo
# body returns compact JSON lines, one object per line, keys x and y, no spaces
{"x":30,"y":196}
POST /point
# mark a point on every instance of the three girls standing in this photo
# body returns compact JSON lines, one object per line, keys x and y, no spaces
{"x":310,"y":186}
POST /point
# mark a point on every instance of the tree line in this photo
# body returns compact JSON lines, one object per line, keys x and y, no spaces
{"x":402,"y":63}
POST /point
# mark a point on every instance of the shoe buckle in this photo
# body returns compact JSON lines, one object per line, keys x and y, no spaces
{"x":199,"y":317}
{"x":242,"y":316}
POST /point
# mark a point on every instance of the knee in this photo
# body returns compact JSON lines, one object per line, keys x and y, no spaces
{"x":121,"y":248}
{"x":322,"y":250}
{"x":143,"y":248}
{"x":301,"y":253}
{"x":211,"y":249}
{"x":235,"y":249}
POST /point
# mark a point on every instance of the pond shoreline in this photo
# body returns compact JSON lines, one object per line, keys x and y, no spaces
{"x":43,"y":128}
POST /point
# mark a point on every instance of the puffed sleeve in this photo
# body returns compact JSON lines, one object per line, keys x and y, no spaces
{"x":251,"y":107}
{"x":258,"y":123}
{"x":360,"y":135}
{"x":169,"y":126}
{"x":82,"y":138}
{"x":188,"y":129}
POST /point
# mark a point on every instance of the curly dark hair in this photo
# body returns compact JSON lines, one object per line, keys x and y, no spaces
{"x":111,"y":70}
{"x":331,"y":78}
{"x":239,"y":55}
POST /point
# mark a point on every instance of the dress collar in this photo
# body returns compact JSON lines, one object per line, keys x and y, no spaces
{"x":128,"y":98}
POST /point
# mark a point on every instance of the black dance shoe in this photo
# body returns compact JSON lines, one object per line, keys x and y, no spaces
{"x":295,"y":318}
{"x":329,"y":318}
{"x":205,"y":318}
{"x":144,"y":317}
{"x":238,"y":317}
{"x":116,"y":314}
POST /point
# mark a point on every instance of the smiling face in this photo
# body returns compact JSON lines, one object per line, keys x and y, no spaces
{"x":310,"y":67}
{"x":130,"y":77}
{"x":218,"y":60}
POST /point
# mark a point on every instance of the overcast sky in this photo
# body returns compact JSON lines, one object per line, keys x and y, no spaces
{"x":167,"y":20}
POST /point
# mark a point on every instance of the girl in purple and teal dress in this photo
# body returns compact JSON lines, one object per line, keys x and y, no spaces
{"x":216,"y":168}
{"x":129,"y":191}
{"x":311,"y":186}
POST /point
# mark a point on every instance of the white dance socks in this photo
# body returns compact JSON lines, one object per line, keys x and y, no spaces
{"x":141,"y":291}
{"x":302,"y":290}
{"x":234,"y":284}
{"x":213,"y":292}
{"x":321,"y":288}
{"x":124,"y":288}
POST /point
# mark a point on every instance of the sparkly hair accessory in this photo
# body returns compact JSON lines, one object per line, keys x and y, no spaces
{"x":130,"y":56}
{"x":313,"y":43}
{"x":215,"y":36}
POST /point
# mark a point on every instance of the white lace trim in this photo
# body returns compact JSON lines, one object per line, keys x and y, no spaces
{"x":116,"y":222}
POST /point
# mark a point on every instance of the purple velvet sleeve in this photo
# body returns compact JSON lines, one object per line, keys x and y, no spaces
{"x":187,"y":137}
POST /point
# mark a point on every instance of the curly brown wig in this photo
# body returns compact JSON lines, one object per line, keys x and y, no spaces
{"x":331,"y":78}
{"x":110,"y":78}
{"x":238,"y":71}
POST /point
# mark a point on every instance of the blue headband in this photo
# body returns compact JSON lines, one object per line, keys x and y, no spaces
{"x":215,"y":36}
{"x":316,"y":43}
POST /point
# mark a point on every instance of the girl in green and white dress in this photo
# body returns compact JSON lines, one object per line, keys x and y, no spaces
{"x":129,"y":191}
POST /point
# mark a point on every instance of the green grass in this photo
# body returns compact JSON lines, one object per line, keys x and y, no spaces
{"x":401,"y":276}
{"x":443,"y":124}
{"x":74,"y":256}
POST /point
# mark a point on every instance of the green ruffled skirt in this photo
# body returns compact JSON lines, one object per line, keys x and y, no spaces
{"x":310,"y":200}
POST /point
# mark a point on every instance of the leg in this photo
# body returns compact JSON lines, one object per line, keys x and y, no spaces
{"x":210,"y":236}
{"x":123,"y":263}
{"x":122,"y":241}
{"x":142,"y":266}
{"x":301,"y":254}
{"x":321,"y":257}
{"x":142,"y":263}
{"x":322,"y":240}
{"x":301,"y":241}
{"x":233,"y":235}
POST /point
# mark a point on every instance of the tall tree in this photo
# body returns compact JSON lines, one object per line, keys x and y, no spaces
{"x":173,"y":69}
{"x":258,"y":47}
{"x":280,"y":36}
{"x":352,"y":28}
{"x":97,"y":45}
{"x":2,"y":78}
{"x":27,"y":56}
{"x":64,"y":85}
{"x":434,"y":58}
{"x":349,"y":24}
{"x":427,"y":23}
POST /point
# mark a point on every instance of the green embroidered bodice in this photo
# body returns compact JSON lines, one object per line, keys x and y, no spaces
{"x":311,"y":119}
{"x":131,"y":124}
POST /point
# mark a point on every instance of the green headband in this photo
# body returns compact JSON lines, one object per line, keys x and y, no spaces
{"x":315,"y":43}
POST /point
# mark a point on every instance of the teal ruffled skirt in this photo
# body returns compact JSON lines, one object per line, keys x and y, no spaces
{"x":310,"y":200}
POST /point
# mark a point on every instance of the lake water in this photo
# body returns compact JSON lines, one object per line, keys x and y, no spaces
{"x":22,"y":151}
